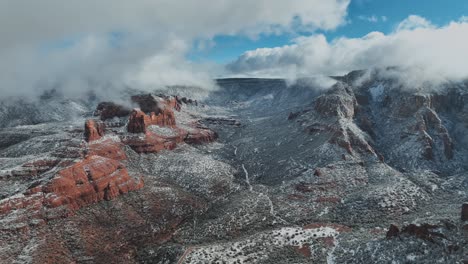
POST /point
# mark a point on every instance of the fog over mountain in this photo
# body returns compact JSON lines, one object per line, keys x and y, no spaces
{"x":115,"y":43}
{"x":246,"y":131}
{"x":425,"y":53}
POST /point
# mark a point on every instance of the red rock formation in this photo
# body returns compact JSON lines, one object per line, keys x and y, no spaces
{"x":89,"y":181}
{"x":107,"y":148}
{"x":94,"y":130}
{"x":304,"y":250}
{"x":151,"y":143}
{"x":139,"y":121}
{"x":165,"y":118}
{"x":201,"y":136}
{"x":174,"y":103}
{"x":99,"y":176}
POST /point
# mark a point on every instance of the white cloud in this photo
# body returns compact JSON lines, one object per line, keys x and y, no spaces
{"x":372,"y":19}
{"x":425,"y":52}
{"x":414,"y":22}
{"x":151,"y":28}
{"x":28,"y":21}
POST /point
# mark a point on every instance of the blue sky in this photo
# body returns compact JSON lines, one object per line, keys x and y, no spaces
{"x":388,"y":14}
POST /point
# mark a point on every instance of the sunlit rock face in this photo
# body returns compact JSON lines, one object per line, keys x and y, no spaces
{"x":257,"y":172}
{"x":94,"y":130}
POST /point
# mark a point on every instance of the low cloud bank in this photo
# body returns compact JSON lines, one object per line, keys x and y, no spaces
{"x":108,"y":45}
{"x":423,"y":53}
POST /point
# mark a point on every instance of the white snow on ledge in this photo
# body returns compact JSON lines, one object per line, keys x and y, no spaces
{"x":377,"y":92}
{"x":259,"y":246}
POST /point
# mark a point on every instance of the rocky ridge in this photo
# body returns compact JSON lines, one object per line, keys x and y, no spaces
{"x":363,"y":172}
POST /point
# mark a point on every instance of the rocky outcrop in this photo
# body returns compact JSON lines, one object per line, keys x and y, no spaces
{"x":428,"y":122}
{"x":222,"y":121}
{"x":108,"y":148}
{"x":109,"y":110}
{"x":94,"y":130}
{"x":149,"y":103}
{"x":89,"y":181}
{"x":161,"y":115}
{"x":339,"y":101}
{"x":151,"y":143}
{"x":139,"y":121}
{"x":99,"y":176}
{"x":424,"y":232}
{"x":432,"y":120}
{"x":97,"y":172}
{"x":165,"y":118}
{"x":345,"y":137}
{"x":393,"y":231}
{"x":185,"y":100}
{"x":464,"y":212}
{"x":31,"y":169}
{"x":200,"y":135}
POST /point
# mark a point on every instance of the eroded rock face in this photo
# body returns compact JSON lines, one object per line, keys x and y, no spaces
{"x":339,"y":101}
{"x":200,"y":135}
{"x":94,"y":130}
{"x":138,"y":122}
{"x":151,"y":143}
{"x":90,"y":181}
{"x":108,"y":148}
